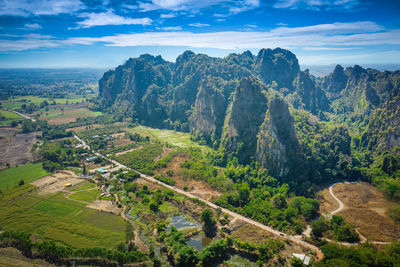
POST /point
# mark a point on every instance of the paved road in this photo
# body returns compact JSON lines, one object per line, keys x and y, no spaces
{"x":19,"y":113}
{"x":294,"y":239}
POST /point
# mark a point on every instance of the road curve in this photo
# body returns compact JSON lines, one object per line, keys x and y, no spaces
{"x":341,"y":205}
{"x":294,"y":239}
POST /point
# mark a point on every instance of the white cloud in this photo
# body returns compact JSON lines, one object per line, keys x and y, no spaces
{"x":176,"y":28}
{"x":168,"y":16}
{"x":317,"y":4}
{"x":28,"y":8}
{"x":337,"y":27}
{"x":32,"y":26}
{"x":28,"y":41}
{"x":233,"y":7}
{"x":199,"y":25}
{"x":312,"y":36}
{"x":324,"y":37}
{"x":109,"y":18}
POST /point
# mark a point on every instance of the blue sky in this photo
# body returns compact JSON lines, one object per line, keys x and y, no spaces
{"x":104,"y":33}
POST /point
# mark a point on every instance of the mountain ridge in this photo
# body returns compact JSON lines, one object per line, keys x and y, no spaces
{"x":236,"y":104}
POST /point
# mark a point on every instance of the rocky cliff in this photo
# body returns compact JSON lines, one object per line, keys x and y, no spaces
{"x":242,"y":105}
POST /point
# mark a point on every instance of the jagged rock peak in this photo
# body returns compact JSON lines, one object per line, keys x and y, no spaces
{"x":278,"y":65}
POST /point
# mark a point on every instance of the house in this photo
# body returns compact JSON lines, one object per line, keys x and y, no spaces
{"x":67,"y":184}
{"x":101,"y":170}
{"x":306,"y":260}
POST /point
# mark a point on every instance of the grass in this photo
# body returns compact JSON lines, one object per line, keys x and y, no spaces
{"x":62,"y":220}
{"x":56,"y":116}
{"x":17,"y":191}
{"x":27,"y":172}
{"x":17,"y":102}
{"x":175,"y":138}
{"x":83,"y":186}
{"x":167,"y":207}
{"x":105,"y":220}
{"x":6,"y":117}
{"x":56,"y":208}
{"x":87,"y":196}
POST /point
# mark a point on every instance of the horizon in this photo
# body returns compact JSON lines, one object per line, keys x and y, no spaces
{"x":102,"y":34}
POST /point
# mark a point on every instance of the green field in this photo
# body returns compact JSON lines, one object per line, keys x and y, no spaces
{"x":87,"y":195}
{"x":9,"y":115}
{"x":28,"y":172}
{"x":172,"y":137}
{"x":6,"y":117}
{"x":55,"y":217}
{"x":17,"y":102}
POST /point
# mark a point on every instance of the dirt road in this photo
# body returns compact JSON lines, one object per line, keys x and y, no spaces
{"x":341,"y":207}
{"x":294,"y":239}
{"x":19,"y":113}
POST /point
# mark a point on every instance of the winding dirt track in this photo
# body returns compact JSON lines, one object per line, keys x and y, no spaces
{"x":294,"y":239}
{"x":341,"y":207}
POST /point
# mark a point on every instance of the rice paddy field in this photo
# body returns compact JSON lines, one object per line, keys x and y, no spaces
{"x":29,"y":172}
{"x":64,"y":220}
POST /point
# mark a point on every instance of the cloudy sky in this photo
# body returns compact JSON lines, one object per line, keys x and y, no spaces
{"x":104,"y":33}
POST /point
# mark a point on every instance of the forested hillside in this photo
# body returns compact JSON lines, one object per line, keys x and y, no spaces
{"x":304,"y":130}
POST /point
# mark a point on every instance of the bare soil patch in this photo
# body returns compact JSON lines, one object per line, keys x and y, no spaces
{"x":16,"y":148}
{"x":57,"y":182}
{"x":104,"y":205}
{"x":365,"y":207}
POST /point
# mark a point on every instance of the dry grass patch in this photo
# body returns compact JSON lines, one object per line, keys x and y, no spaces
{"x":365,"y":207}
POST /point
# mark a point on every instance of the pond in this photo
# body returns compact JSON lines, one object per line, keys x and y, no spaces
{"x":199,"y":242}
{"x":180,"y":222}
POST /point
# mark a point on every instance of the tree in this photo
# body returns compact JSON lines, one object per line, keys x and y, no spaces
{"x":153,"y":206}
{"x":279,"y":201}
{"x":244,"y":193}
{"x":296,"y":262}
{"x":209,"y":223}
{"x":319,"y":227}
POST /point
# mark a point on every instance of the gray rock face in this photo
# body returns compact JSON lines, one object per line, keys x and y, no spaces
{"x":278,"y":65}
{"x":277,"y":147}
{"x":244,"y":117}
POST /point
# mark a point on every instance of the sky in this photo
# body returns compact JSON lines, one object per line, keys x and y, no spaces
{"x":105,"y":33}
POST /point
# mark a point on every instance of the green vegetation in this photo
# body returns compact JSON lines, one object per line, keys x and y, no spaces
{"x":60,"y":154}
{"x":361,"y":255}
{"x":8,"y":117}
{"x":174,"y":138}
{"x":209,"y":223}
{"x":142,"y":159}
{"x":59,"y":254}
{"x":86,"y":195}
{"x":25,"y":101}
{"x":56,"y":218}
{"x":27,"y":172}
{"x":336,"y":228}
